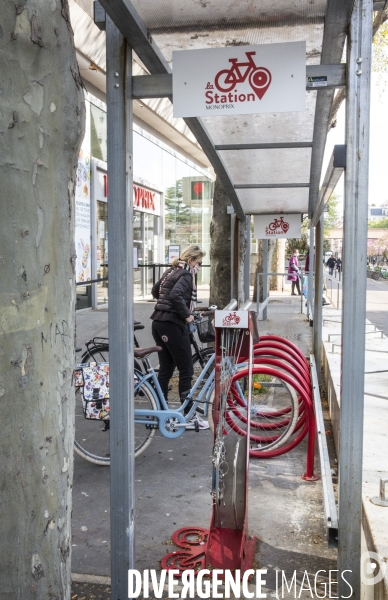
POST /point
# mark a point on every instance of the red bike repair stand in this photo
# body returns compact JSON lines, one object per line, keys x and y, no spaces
{"x":227,"y":544}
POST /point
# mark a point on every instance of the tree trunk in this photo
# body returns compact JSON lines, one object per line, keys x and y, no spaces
{"x":220,"y":251}
{"x":258,"y":269}
{"x":276,"y":255}
{"x":42,"y":121}
{"x":242,"y":232}
{"x":278,"y":252}
{"x":220,"y":235}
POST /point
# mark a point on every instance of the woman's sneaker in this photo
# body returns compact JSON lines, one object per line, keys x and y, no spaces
{"x":196,"y":422}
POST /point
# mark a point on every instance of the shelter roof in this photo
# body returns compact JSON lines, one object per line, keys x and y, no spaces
{"x":268,"y":179}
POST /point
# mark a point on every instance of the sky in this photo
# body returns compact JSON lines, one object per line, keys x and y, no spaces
{"x":378,"y":167}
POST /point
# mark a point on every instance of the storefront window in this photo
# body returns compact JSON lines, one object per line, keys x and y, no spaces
{"x":145,"y":240}
{"x":181,"y":200}
{"x":188,"y":215}
{"x":139,"y":248}
{"x":102,"y":252}
{"x":147,"y":161}
{"x":98,"y":133}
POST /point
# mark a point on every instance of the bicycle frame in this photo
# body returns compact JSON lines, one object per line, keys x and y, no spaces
{"x":235,"y":68}
{"x":164,"y":414}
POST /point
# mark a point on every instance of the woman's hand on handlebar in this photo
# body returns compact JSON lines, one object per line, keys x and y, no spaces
{"x":190,"y":319}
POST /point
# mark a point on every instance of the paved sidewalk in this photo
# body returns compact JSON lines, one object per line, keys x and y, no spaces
{"x":173,"y":480}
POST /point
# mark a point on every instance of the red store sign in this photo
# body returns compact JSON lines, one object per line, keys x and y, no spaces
{"x":146,"y":200}
{"x":143,"y":200}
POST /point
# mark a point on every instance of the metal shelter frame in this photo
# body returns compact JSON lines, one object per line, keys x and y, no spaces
{"x":125,"y":31}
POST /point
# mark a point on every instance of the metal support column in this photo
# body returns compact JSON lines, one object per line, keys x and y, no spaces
{"x":318,"y":296}
{"x":122,"y":454}
{"x":234,"y":255}
{"x":265,"y":277}
{"x":247,"y":261}
{"x":232,"y":242}
{"x":359,"y":50}
{"x":310,"y":285}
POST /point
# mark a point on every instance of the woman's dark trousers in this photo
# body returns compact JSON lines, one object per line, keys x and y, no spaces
{"x":176,"y":352}
{"x":293,"y":284}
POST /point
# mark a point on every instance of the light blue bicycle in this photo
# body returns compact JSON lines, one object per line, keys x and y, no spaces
{"x":152,"y":412}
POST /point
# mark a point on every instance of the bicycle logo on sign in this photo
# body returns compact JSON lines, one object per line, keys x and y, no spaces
{"x":275,"y":225}
{"x":259,"y":78}
{"x":231,"y":319}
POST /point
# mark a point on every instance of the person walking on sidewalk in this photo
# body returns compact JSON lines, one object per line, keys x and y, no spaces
{"x":293,"y":272}
{"x":339,"y":265}
{"x":176,"y":295}
{"x":331,"y":264}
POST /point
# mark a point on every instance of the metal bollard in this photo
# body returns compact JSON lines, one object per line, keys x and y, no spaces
{"x":381,"y":500}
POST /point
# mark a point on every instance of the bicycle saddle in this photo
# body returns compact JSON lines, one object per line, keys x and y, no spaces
{"x":137,"y":325}
{"x":143,"y":352}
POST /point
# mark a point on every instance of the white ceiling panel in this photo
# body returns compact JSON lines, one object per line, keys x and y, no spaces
{"x":170,"y":41}
{"x":265,"y":128}
{"x":264,"y":201}
{"x":268,"y":166}
{"x":179,"y":14}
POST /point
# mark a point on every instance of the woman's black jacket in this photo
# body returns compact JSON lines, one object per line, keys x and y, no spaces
{"x":174,"y":295}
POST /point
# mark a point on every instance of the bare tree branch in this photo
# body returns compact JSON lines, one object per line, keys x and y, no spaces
{"x":380,"y":18}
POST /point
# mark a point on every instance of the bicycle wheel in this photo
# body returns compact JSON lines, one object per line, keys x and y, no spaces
{"x":225,"y":80}
{"x":92,"y":436}
{"x":274,"y":411}
{"x":200,"y":359}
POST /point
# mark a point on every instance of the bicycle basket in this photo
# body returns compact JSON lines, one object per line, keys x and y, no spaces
{"x":206,"y":332}
{"x":93,"y":379}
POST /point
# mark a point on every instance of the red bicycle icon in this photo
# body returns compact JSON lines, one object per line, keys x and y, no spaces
{"x":232,"y":318}
{"x":279,"y":223}
{"x":259,"y":77}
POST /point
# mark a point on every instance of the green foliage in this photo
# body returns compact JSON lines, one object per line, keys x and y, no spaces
{"x":326,"y":245}
{"x":380,"y":50}
{"x":330,"y":221}
{"x":302,"y":244}
{"x":177,"y":214}
{"x":380,"y":224}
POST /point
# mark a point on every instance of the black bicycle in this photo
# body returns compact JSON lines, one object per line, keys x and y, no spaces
{"x":97,"y":349}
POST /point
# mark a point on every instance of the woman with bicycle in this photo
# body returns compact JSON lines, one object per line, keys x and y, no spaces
{"x":176,"y":295}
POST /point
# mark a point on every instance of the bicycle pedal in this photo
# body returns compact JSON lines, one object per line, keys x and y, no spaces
{"x":196,"y":426}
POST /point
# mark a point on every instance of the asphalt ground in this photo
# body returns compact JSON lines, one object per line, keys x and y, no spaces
{"x":376,"y":300}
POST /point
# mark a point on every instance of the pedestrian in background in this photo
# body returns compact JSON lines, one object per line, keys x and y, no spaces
{"x":339,"y":265}
{"x":176,"y":295}
{"x":307,"y":262}
{"x":293,"y":272}
{"x":331,"y":264}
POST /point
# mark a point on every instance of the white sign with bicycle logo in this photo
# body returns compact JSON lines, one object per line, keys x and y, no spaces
{"x":277,"y":226}
{"x":240,"y":80}
{"x":231,"y":318}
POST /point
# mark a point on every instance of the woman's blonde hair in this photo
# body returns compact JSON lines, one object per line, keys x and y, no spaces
{"x":192,"y":251}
